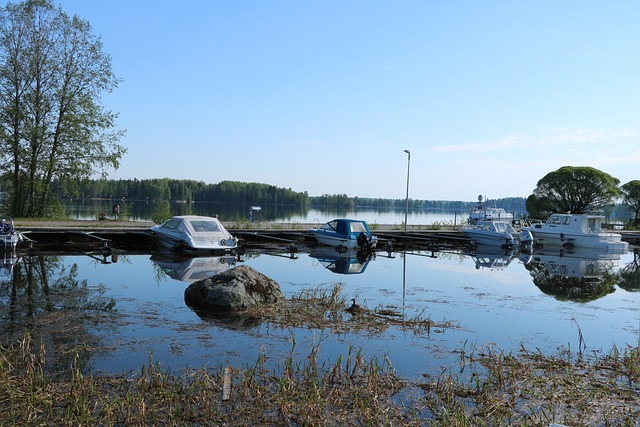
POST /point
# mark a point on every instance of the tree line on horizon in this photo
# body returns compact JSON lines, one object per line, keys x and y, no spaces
{"x":250,"y":193}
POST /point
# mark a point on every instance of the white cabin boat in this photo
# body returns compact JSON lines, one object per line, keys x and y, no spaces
{"x":569,"y":230}
{"x":194,"y":233}
{"x":481,"y":212}
{"x":497,"y":233}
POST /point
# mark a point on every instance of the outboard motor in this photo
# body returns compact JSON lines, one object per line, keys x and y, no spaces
{"x":363,"y":242}
{"x":526,"y":241}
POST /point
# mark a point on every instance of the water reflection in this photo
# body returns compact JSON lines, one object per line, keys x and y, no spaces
{"x":9,"y":260}
{"x":630,"y":274}
{"x":48,"y":299}
{"x":580,"y":274}
{"x":492,"y":257}
{"x":350,"y":261}
{"x":136,"y":306}
{"x":189,"y":268}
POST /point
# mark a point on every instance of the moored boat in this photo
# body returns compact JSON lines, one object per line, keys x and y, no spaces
{"x":346,"y":233}
{"x":10,"y":237}
{"x":194,"y":233}
{"x":482,"y":212}
{"x":572,"y":230}
{"x":488,"y":232}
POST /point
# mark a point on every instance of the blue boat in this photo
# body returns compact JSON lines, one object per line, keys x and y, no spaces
{"x":346,"y":233}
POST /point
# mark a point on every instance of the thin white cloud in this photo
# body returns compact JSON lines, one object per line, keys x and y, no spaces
{"x":508,"y":142}
{"x":566,"y":138}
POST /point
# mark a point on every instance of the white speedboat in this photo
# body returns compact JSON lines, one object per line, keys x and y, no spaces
{"x":569,"y":231}
{"x":346,"y":233}
{"x":194,"y":233}
{"x":485,"y":232}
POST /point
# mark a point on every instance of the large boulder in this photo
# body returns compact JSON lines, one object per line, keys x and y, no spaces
{"x":234,"y":290}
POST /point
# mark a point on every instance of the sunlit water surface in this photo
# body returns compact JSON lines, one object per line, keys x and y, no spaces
{"x":500,"y":305}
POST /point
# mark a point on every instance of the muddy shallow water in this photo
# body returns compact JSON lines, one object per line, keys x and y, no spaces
{"x":134,"y":307}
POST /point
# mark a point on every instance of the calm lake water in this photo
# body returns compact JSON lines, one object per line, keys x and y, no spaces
{"x":135,"y":307}
{"x":143,"y":211}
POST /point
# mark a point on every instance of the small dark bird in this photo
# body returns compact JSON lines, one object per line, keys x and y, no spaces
{"x":355,"y":308}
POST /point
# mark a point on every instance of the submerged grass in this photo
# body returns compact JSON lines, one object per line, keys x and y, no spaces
{"x":349,"y":391}
{"x":486,"y":387}
{"x":328,"y":308}
{"x":529,"y":388}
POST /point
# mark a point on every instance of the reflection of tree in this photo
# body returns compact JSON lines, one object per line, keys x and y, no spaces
{"x":44,"y":297}
{"x":579,"y":289}
{"x":630,"y":275}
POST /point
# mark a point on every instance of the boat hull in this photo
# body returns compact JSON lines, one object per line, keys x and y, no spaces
{"x":345,"y":233}
{"x":608,"y":243}
{"x":495,"y":233}
{"x":178,"y":242}
{"x":486,"y":239}
{"x":194,"y":234}
{"x":336,"y":240}
{"x":9,"y":241}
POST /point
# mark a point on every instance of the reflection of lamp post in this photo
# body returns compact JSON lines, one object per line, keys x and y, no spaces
{"x":406,"y":208}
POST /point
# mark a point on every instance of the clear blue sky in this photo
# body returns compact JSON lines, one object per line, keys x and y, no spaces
{"x":324,"y":96}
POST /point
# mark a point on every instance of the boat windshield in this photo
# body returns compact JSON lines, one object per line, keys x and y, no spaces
{"x":357,"y":227}
{"x":171,"y":223}
{"x":205,"y":226}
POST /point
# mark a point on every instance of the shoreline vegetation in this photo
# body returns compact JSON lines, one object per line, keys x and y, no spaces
{"x":487,"y":386}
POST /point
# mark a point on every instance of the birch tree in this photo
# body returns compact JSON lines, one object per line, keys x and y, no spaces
{"x":53,"y":72}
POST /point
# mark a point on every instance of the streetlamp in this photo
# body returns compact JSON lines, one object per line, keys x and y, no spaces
{"x":406,"y":208}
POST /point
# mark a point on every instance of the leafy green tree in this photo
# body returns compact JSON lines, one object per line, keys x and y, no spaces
{"x":161,"y":211}
{"x":631,"y":197}
{"x":575,"y":189}
{"x":52,"y":73}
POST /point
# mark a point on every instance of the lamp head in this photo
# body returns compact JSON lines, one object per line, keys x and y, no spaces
{"x":407,"y":151}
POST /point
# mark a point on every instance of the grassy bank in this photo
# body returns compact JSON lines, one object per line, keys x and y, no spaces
{"x":486,"y":387}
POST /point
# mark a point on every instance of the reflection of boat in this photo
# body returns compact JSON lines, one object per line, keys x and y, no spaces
{"x":568,"y":230}
{"x":347,"y":262}
{"x":194,"y":233}
{"x":9,"y":260}
{"x":10,"y":237}
{"x":580,"y":262}
{"x":191,"y":269}
{"x":487,"y":232}
{"x":347,"y":233}
{"x":492,"y":259}
{"x":481,"y":212}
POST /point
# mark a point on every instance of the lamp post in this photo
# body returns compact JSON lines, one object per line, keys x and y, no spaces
{"x":406,"y":208}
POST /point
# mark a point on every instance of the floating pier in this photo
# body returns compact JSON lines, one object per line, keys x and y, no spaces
{"x":132,"y":238}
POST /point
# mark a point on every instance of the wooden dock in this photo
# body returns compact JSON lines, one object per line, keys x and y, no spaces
{"x":135,"y":236}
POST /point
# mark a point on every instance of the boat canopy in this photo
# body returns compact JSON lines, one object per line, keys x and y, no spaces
{"x":346,"y":226}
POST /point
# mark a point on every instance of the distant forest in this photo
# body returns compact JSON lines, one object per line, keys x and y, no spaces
{"x":251,"y":193}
